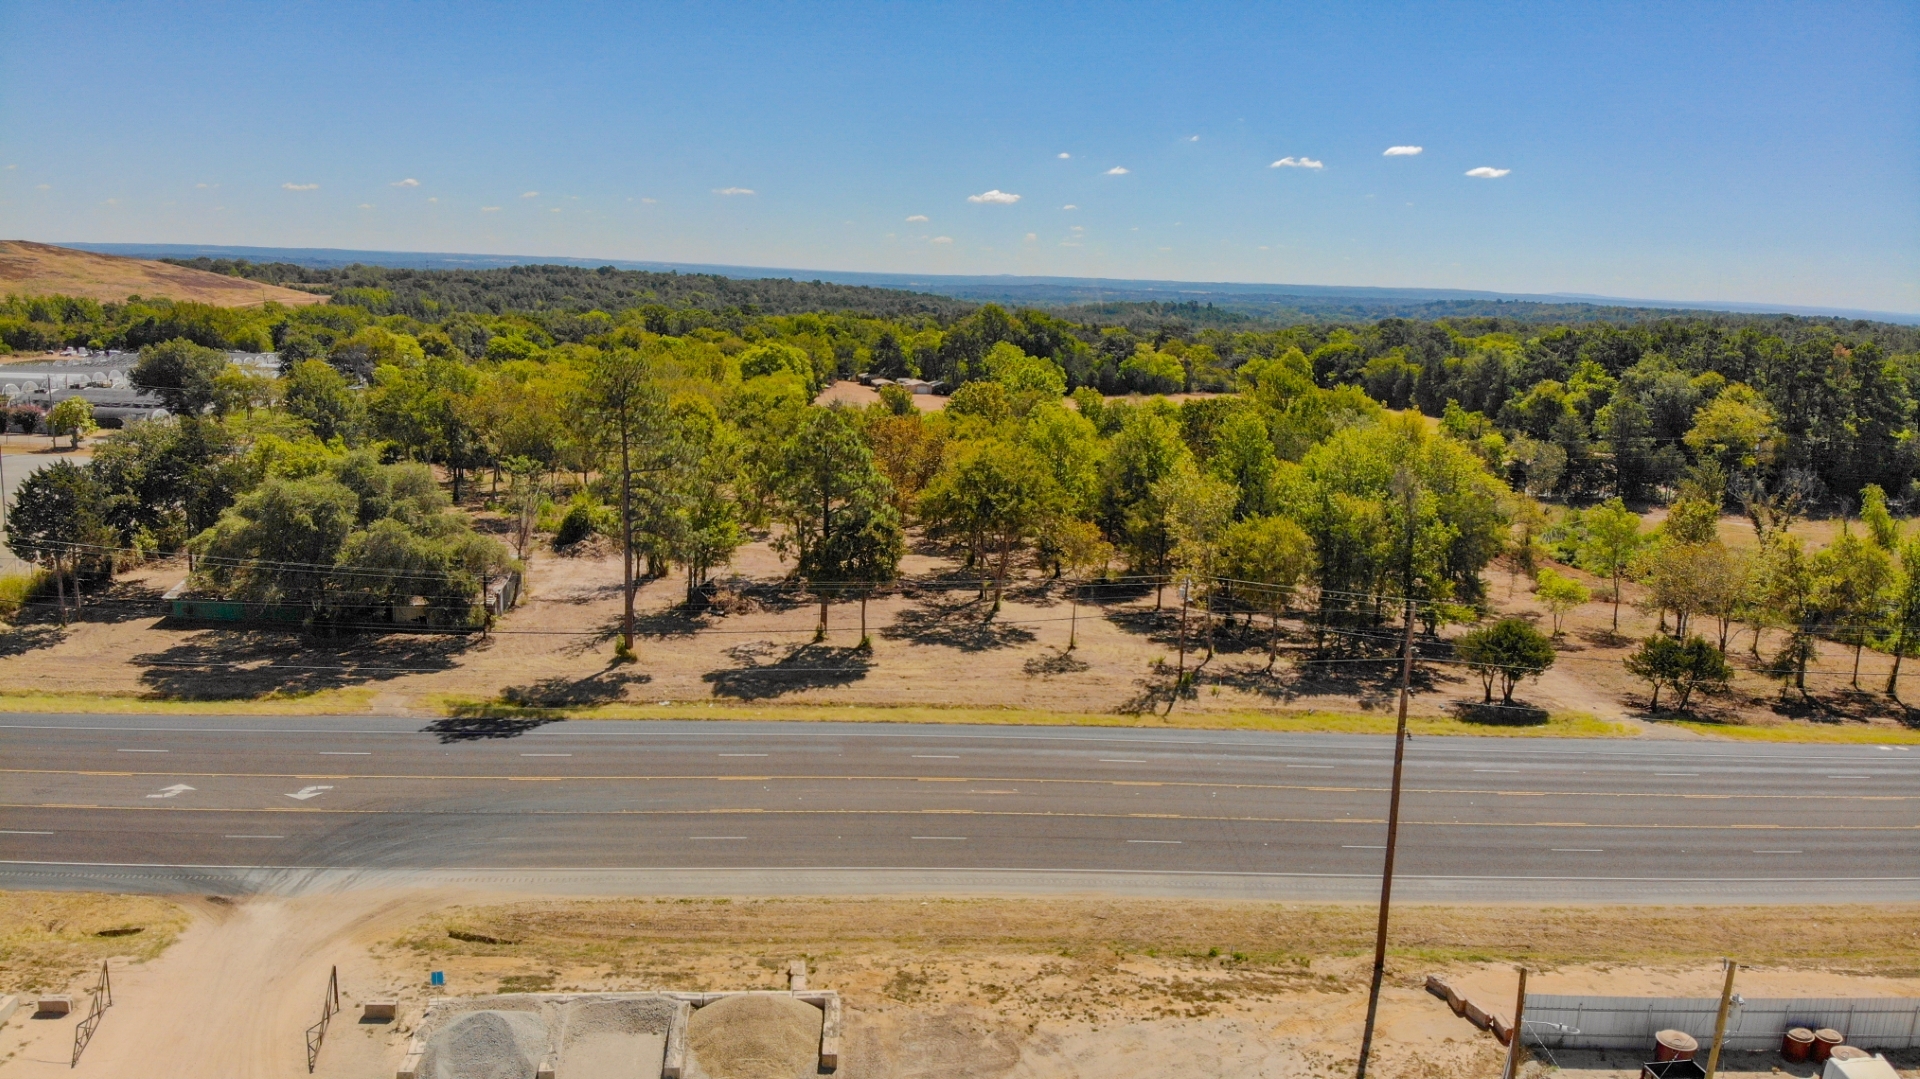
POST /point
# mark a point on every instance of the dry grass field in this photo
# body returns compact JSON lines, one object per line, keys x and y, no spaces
{"x":34,"y":269}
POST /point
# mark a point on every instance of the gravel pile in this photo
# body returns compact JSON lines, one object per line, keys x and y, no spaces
{"x":615,"y":1039}
{"x":754,"y":1036}
{"x":487,"y":1045}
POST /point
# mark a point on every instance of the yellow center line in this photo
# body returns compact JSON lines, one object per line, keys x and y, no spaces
{"x":719,"y":811}
{"x":1055,"y":780}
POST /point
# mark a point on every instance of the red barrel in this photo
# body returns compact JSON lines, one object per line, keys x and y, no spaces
{"x":1797,"y":1045}
{"x":1674,"y":1045}
{"x":1824,"y":1041}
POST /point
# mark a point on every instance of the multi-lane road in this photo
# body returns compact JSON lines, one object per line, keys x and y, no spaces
{"x":234,"y":804}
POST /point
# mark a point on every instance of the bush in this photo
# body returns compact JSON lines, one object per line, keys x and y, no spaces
{"x":17,"y":589}
{"x":1689,"y":666}
{"x":575,"y":526}
{"x":1510,"y":649}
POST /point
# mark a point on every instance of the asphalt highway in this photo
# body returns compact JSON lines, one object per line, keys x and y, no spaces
{"x":236,"y":804}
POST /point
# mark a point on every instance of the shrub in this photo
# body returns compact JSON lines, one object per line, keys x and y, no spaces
{"x":575,"y":526}
{"x":1509,"y":650}
{"x":1689,"y":666}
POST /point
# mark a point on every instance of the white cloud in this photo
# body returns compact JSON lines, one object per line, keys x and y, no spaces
{"x":529,"y":194}
{"x":1403,"y":151}
{"x":1117,"y":170}
{"x":433,"y":198}
{"x":556,"y":209}
{"x":1069,"y":206}
{"x":941,"y":240}
{"x":1071,"y":243}
{"x":10,"y":168}
{"x":733,"y":191}
{"x":489,"y":209}
{"x":1032,"y":236}
{"x":290,"y":186}
{"x":366,"y":206}
{"x":918,"y":217}
{"x":1193,"y":138}
{"x":1063,"y":157}
{"x":113,"y":202}
{"x":408,"y":182}
{"x":202,"y":187}
{"x":1485,"y":173}
{"x":1297,"y":163}
{"x":1004,"y":198}
{"x":1079,"y":228}
{"x":43,"y":187}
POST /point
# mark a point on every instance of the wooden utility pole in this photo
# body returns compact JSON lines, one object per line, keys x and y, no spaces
{"x":1393,"y":800}
{"x":1720,"y":1020}
{"x":1514,"y":1048}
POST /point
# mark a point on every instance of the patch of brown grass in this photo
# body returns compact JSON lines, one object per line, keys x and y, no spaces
{"x":587,"y":933}
{"x":47,"y":939}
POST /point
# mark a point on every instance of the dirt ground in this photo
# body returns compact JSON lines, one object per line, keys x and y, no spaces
{"x":935,"y":643}
{"x":1034,"y":989}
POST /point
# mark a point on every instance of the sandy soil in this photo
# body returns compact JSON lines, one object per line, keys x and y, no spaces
{"x":34,"y":269}
{"x":991,"y":988}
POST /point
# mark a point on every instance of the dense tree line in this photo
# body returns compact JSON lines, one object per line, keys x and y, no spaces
{"x":1338,"y":471}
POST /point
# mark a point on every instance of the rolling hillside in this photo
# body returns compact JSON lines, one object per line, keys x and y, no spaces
{"x":28,"y":268}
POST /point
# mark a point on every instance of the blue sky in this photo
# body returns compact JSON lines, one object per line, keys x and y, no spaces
{"x":1746,"y":152}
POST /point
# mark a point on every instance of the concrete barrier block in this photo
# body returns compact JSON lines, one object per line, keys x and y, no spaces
{"x":416,"y":1052}
{"x":797,"y":975}
{"x":830,"y":1034}
{"x":674,"y":1065}
{"x":379,"y":1011}
{"x":545,"y":1070}
{"x":8,"y":1005}
{"x":1438,"y":986}
{"x":1476,"y":1015}
{"x":1502,"y":1030}
{"x":53,"y":1005}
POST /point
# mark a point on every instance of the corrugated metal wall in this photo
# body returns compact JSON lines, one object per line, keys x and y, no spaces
{"x":1630,"y":1022}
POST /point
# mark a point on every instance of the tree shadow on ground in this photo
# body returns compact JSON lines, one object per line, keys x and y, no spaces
{"x":1498,"y":714}
{"x":604,"y":687}
{"x":810,"y":666}
{"x":961,"y":623}
{"x":20,"y":640}
{"x":1372,"y":681}
{"x":230,"y":664}
{"x":1054,"y":663}
{"x":470,"y":723}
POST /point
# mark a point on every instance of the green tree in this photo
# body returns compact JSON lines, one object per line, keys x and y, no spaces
{"x":1793,"y":596}
{"x":1146,"y":451}
{"x":997,"y":495}
{"x":1904,"y":612}
{"x":834,"y":504}
{"x":1692,"y":521}
{"x":185,"y":376}
{"x":1857,"y":577}
{"x":1508,"y":650}
{"x":1689,"y":666}
{"x":1270,"y":557}
{"x":277,"y":546}
{"x":1559,"y":595}
{"x":322,"y":396}
{"x":72,"y":417}
{"x":1612,"y":543}
{"x":1199,"y":508}
{"x":628,"y":409}
{"x":1243,"y":456}
{"x":1881,"y":525}
{"x":54,"y":521}
{"x":1022,"y":374}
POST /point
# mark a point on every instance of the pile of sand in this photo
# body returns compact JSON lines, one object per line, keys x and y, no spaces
{"x":615,"y":1039}
{"x":754,"y":1036}
{"x":487,"y":1045}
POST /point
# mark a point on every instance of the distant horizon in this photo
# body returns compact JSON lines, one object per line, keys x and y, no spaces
{"x":319,"y":257}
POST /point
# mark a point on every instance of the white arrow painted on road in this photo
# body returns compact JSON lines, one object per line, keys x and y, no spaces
{"x":309,"y":792}
{"x":169,"y":792}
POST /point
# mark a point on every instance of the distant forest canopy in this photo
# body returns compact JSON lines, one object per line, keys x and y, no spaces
{"x":1807,"y":410}
{"x":429,"y":294}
